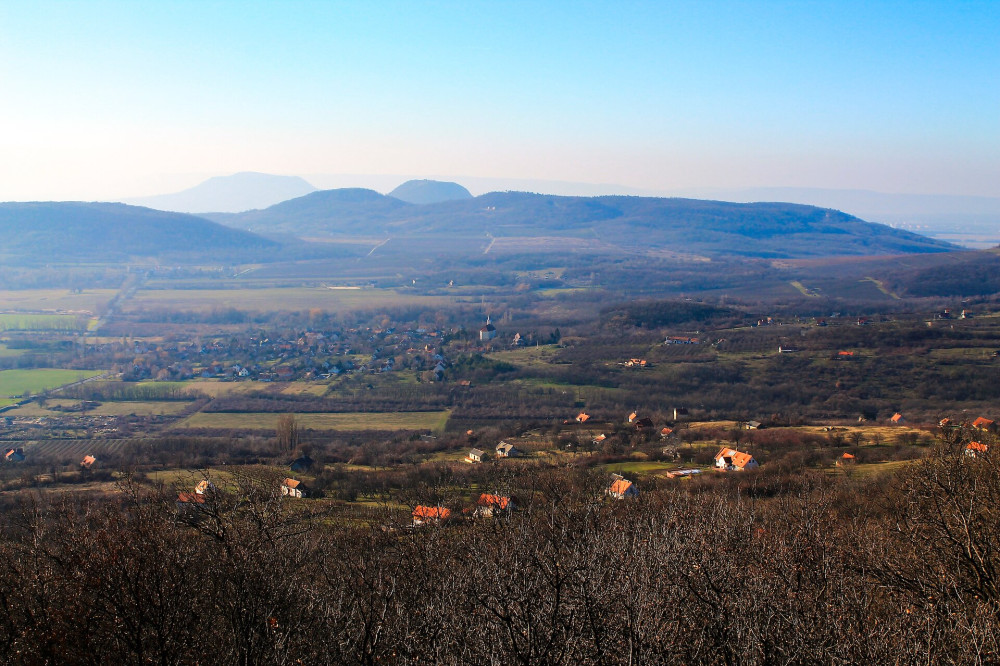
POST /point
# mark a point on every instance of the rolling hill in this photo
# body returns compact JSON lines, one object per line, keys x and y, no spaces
{"x":429,"y":191}
{"x":62,"y":232}
{"x":692,"y":226}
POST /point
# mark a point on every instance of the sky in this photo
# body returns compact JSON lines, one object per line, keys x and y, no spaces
{"x":101,"y":100}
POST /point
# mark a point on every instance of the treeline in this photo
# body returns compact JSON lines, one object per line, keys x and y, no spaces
{"x":898,"y":572}
{"x":129,"y":392}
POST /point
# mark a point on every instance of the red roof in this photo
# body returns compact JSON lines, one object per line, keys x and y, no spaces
{"x":846,"y":353}
{"x":666,"y":431}
{"x":432,"y":512}
{"x":896,"y":418}
{"x":582,"y":417}
{"x":976,"y":446}
{"x":291,"y":483}
{"x":620,"y":486}
{"x":847,"y":456}
{"x":498,"y":501}
{"x":740,"y":459}
{"x":982,"y":422}
{"x":190,"y":498}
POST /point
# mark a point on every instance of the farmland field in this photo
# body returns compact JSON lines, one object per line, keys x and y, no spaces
{"x":7,"y":353}
{"x":351,"y":421}
{"x":55,"y":300}
{"x":15,"y":382}
{"x":299,"y":298}
{"x":40,"y":322}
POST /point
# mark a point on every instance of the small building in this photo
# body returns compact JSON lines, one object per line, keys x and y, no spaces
{"x":14,"y":455}
{"x":984,"y":423}
{"x":88,"y":462}
{"x":475,"y":456}
{"x":505,"y":450}
{"x":976,"y":449}
{"x":846,"y":459}
{"x":490,"y":506}
{"x":632,"y":417}
{"x":897,"y":419}
{"x":188,"y":504}
{"x":666,"y":433}
{"x":621,"y":488}
{"x":732,"y":460}
{"x":643,"y":424}
{"x":582,"y":417}
{"x":945,"y":423}
{"x":600,"y":438}
{"x":302,"y":464}
{"x":293,"y":488}
{"x":753,"y":425}
{"x":204,"y":486}
{"x":423,"y":515}
{"x":487,"y":332}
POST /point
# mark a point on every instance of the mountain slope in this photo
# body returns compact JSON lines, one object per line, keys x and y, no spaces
{"x":429,"y":191}
{"x":777,"y":230}
{"x":239,"y":192}
{"x":76,"y":231}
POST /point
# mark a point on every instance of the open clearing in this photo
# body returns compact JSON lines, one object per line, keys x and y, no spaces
{"x":351,"y":421}
{"x":43,"y":322}
{"x":271,"y":300}
{"x":55,"y":300}
{"x":16,"y":382}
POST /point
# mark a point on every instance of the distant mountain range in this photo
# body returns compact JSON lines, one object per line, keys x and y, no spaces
{"x":627,"y":223}
{"x":231,"y":194}
{"x":64,"y":232}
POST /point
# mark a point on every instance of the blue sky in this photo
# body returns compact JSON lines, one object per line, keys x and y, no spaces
{"x":105,"y":99}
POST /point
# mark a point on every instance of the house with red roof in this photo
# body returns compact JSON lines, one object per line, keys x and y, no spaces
{"x":621,"y":488}
{"x":293,"y":488}
{"x":488,"y":505}
{"x":983,"y":423}
{"x":426,"y":515}
{"x":976,"y":449}
{"x":732,"y":460}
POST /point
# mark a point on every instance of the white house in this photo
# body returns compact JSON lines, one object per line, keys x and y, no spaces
{"x":733,"y":460}
{"x":505,"y":450}
{"x":293,"y":488}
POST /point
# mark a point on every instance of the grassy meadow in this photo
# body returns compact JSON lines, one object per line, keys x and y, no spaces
{"x":14,"y":383}
{"x":349,"y":421}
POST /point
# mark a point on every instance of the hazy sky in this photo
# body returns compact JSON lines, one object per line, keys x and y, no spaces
{"x":107,"y":99}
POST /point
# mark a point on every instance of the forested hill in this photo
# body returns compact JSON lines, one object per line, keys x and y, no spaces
{"x":56,"y":232}
{"x":633,"y":223}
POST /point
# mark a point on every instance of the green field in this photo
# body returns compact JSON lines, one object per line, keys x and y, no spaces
{"x":7,"y":353}
{"x":352,"y":421}
{"x":14,"y":383}
{"x":44,"y":322}
{"x":270,"y":300}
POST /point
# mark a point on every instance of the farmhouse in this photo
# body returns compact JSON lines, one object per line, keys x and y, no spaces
{"x":293,"y":488}
{"x":897,"y":419}
{"x":88,"y":462}
{"x":475,"y":456}
{"x":632,"y":417}
{"x":983,"y":423}
{"x":752,"y":425}
{"x":846,"y":459}
{"x":621,"y":488}
{"x":505,"y":450}
{"x":582,"y":417}
{"x":488,"y":506}
{"x":666,"y":432}
{"x":14,"y":455}
{"x":423,"y":515}
{"x":975,"y":449}
{"x":600,"y":438}
{"x":733,"y":460}
{"x":643,"y":424}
